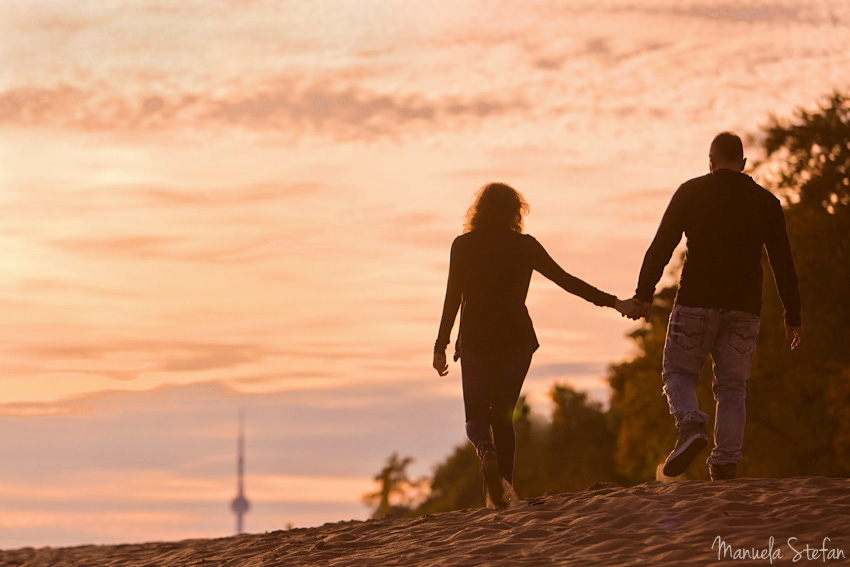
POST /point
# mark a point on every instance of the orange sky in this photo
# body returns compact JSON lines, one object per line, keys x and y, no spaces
{"x":212,"y":205}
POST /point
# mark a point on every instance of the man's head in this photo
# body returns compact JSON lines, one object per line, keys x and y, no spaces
{"x":726,"y":152}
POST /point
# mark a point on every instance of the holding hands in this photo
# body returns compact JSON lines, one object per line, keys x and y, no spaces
{"x":633,"y":308}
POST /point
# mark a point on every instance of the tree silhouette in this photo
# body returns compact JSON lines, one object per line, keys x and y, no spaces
{"x":397,"y":493}
{"x":801,"y":419}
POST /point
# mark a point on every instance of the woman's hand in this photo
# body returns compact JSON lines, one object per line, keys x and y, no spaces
{"x":440,"y":364}
{"x":631,"y":308}
{"x":794,"y":336}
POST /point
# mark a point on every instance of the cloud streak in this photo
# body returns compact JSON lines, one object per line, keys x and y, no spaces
{"x":148,"y":356}
{"x":288,"y":105}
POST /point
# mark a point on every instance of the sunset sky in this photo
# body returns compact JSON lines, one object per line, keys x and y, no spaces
{"x":215,"y":205}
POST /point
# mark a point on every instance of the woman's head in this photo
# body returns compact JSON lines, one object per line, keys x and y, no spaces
{"x":497,"y":206}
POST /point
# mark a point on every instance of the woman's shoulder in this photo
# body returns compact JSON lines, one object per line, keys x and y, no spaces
{"x":525,"y":242}
{"x":461,"y":242}
{"x":497,"y":235}
{"x":461,"y":238}
{"x":529,"y":240}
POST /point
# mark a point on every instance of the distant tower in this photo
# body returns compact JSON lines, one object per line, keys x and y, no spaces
{"x":240,"y":504}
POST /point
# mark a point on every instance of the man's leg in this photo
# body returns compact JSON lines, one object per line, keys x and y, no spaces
{"x":733,"y":357}
{"x":690,"y":336}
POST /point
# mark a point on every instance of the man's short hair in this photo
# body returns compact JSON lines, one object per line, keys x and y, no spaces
{"x":727,"y":146}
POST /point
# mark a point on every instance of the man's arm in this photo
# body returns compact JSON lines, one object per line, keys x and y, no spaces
{"x":658,"y":255}
{"x":782,"y":263}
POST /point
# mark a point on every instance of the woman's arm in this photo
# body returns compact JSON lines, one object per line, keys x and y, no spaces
{"x":450,"y":308}
{"x":543,"y":263}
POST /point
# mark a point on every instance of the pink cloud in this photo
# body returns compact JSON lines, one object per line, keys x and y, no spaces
{"x":289,"y":105}
{"x":163,"y":356}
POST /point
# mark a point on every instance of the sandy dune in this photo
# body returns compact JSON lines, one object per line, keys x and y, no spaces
{"x":651,"y":524}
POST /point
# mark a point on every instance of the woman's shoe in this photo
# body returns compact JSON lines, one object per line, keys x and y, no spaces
{"x":493,"y":489}
{"x":509,"y":496}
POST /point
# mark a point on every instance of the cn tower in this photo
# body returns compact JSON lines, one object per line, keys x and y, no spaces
{"x":240,"y":504}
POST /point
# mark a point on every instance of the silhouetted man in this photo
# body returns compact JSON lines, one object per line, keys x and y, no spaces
{"x":727,"y":219}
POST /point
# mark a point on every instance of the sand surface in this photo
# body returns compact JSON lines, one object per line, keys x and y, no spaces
{"x":650,"y":524}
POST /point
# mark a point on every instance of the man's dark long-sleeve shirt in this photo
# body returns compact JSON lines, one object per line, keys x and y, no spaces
{"x":489,"y":273}
{"x":727,"y":218}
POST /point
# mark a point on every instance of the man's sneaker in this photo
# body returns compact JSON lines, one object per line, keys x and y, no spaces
{"x":723,"y":472}
{"x":493,"y":490}
{"x":692,"y":439}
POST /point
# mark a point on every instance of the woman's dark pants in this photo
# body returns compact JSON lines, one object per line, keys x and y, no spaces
{"x":491,"y":385}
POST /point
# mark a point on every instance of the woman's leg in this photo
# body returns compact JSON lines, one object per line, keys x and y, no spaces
{"x":511,"y":370}
{"x":477,"y":370}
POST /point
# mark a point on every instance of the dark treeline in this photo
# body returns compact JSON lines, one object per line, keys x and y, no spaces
{"x":798,"y":403}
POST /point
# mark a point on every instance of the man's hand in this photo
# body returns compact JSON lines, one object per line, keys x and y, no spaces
{"x":794,"y":335}
{"x":645,"y":308}
{"x":628,"y":309}
{"x":440,"y":364}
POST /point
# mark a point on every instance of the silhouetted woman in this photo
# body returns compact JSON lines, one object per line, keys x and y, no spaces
{"x":489,"y":273}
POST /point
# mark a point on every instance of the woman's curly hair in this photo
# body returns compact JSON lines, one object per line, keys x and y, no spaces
{"x":496,"y":205}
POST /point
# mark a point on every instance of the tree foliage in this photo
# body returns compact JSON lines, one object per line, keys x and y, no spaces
{"x":581,"y":442}
{"x":799,"y":411}
{"x":397,"y":492}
